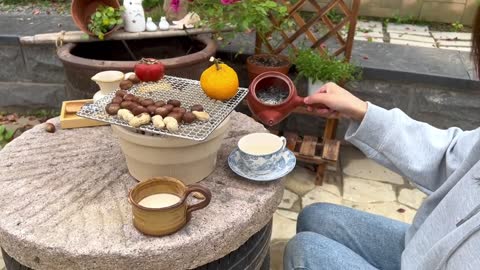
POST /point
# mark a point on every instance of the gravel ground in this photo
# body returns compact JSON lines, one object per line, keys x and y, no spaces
{"x":37,"y":8}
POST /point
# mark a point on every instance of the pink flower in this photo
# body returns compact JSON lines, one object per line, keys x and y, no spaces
{"x":175,"y":5}
{"x":229,"y":2}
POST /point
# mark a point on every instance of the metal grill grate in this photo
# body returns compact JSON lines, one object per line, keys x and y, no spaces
{"x":187,"y":91}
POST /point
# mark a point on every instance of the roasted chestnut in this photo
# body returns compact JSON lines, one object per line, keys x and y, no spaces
{"x":139,"y":110}
{"x":147,"y":102}
{"x":117,"y":100}
{"x":160,"y":103}
{"x":176,"y":115}
{"x":189,"y":117}
{"x":125,"y":84}
{"x":128,"y":97}
{"x":179,"y":109}
{"x":112,"y":108}
{"x":196,"y":108}
{"x":125,"y":104}
{"x":151,"y":109}
{"x":133,"y":105}
{"x":169,"y":107}
{"x":134,"y":79}
{"x":174,"y":102}
{"x":121,"y":93}
{"x":162,"y":111}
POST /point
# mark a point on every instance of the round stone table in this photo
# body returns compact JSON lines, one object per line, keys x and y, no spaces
{"x":63,"y":205}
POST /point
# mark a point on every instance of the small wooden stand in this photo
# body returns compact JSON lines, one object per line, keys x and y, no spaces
{"x":313,"y":150}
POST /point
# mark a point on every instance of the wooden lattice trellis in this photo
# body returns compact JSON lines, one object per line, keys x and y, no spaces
{"x":304,"y":27}
{"x":307,"y":148}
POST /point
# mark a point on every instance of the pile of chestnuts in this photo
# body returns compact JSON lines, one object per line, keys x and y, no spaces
{"x":139,"y":107}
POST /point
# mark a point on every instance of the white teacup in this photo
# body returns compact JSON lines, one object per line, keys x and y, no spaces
{"x":260,"y":152}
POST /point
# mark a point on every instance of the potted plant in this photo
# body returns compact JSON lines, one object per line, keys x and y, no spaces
{"x":83,"y":11}
{"x":105,"y":20}
{"x":320,"y":68}
{"x":243,"y":17}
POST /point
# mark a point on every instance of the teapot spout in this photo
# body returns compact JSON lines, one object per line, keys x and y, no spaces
{"x":271,"y":117}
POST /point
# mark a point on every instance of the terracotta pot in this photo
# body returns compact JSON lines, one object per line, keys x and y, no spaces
{"x":151,"y":156}
{"x":165,"y":219}
{"x":254,"y":69}
{"x":82,"y":10}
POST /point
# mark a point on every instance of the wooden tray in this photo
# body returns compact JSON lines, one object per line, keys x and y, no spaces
{"x":69,"y":118}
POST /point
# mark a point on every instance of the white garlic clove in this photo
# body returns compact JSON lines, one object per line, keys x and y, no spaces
{"x":157,"y":121}
{"x":202,"y":116}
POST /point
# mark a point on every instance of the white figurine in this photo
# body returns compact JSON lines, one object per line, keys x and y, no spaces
{"x":163,"y":25}
{"x":134,"y":16}
{"x":151,"y":26}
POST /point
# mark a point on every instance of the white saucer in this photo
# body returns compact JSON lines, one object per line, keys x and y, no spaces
{"x":282,"y":168}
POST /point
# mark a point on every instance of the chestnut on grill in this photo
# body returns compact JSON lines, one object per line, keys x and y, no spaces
{"x":125,"y":104}
{"x":112,"y":108}
{"x":160,"y":103}
{"x":174,"y":102}
{"x":162,"y":111}
{"x":125,"y":84}
{"x":177,"y":115}
{"x":169,"y":107}
{"x":146,"y":102}
{"x":189,"y":117}
{"x":121,"y":93}
{"x":151,"y":109}
{"x":117,"y":100}
{"x":128,"y":97}
{"x":196,"y":108}
{"x":139,"y":110}
{"x":179,"y":109}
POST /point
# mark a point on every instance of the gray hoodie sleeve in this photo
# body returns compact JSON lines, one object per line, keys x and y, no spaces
{"x":424,"y":154}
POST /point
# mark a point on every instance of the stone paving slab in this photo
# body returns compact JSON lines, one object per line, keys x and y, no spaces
{"x":283,"y":228}
{"x":412,"y":43}
{"x":31,"y":25}
{"x":319,"y":195}
{"x":452,"y":48}
{"x":355,"y":164}
{"x":289,"y":198}
{"x":369,"y":34}
{"x":369,"y":39}
{"x":408,"y":37}
{"x":300,"y":181}
{"x":452,"y":35}
{"x":288,"y":214}
{"x":392,"y":210}
{"x":408,"y":29}
{"x":411,"y":197}
{"x":454,"y":43}
{"x":361,"y":190}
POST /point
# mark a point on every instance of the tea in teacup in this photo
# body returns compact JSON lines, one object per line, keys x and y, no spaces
{"x":261,"y":151}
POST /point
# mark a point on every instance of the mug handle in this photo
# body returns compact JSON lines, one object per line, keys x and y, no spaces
{"x":201,"y":189}
{"x":284,"y":142}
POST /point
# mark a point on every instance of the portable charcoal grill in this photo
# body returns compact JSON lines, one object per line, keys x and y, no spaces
{"x":187,"y":91}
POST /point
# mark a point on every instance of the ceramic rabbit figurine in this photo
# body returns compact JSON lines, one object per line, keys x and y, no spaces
{"x":151,"y":26}
{"x":134,"y":16}
{"x":163,"y":25}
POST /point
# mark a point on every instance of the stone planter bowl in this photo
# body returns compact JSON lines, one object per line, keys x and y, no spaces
{"x":152,"y":156}
{"x":185,"y":57}
{"x":81,"y":11}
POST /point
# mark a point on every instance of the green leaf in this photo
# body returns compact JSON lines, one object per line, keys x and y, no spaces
{"x":113,"y":21}
{"x":119,"y":21}
{"x":98,"y":14}
{"x":9,"y":135}
{"x":106,"y":21}
{"x":2,"y":129}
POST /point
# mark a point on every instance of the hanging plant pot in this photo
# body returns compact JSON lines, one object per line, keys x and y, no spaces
{"x":314,"y":86}
{"x":82,"y":10}
{"x":260,"y":63}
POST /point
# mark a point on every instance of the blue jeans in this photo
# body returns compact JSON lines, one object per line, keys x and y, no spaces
{"x":340,"y":238}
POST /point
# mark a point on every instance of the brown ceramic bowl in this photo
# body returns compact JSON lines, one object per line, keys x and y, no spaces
{"x":254,"y":69}
{"x":81,"y":11}
{"x":168,"y":219}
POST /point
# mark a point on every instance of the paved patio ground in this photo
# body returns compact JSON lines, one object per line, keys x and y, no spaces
{"x":366,"y":186}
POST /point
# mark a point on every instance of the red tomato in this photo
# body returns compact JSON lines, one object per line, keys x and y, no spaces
{"x":149,"y":70}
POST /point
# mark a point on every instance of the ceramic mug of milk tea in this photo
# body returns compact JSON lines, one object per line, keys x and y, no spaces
{"x":260,"y":152}
{"x":160,"y":206}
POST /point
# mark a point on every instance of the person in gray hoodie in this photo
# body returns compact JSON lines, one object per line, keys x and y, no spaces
{"x":445,"y":164}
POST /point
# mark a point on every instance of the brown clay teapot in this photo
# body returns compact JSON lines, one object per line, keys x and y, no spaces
{"x":272,"y":111}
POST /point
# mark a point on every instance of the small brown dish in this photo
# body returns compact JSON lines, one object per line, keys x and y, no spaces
{"x":160,"y":207}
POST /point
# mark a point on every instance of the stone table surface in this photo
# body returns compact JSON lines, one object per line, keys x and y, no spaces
{"x":63,"y":205}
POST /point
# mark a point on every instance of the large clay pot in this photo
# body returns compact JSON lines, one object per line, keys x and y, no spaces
{"x":82,"y":10}
{"x":254,"y":69}
{"x":151,"y":156}
{"x":182,"y":57}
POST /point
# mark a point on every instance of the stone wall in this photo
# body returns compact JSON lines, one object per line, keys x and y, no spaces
{"x":433,"y":10}
{"x":30,"y":77}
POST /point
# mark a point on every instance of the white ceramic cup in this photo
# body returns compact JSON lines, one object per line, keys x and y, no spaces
{"x":259,"y":152}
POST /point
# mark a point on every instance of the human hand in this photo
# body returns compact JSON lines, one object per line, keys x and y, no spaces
{"x":339,"y":102}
